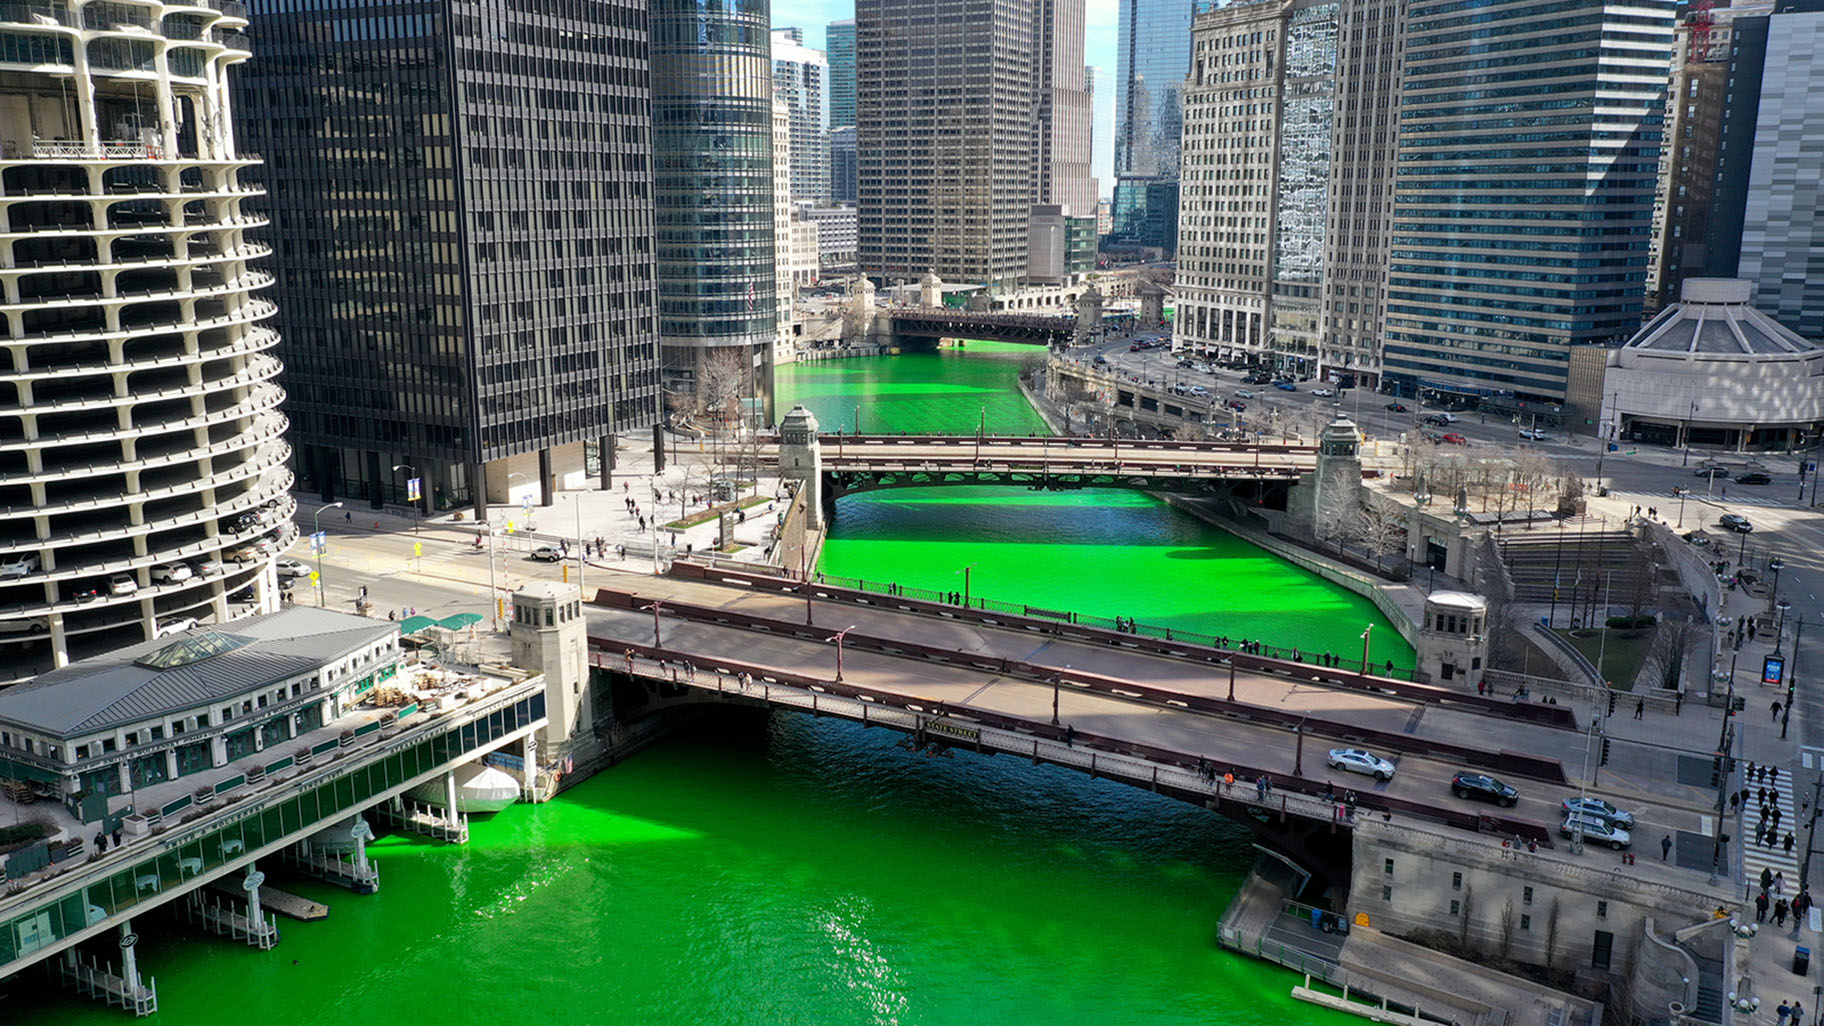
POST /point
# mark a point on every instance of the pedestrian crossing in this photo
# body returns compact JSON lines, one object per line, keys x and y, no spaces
{"x":1757,"y":854}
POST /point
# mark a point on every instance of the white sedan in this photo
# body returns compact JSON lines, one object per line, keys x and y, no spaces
{"x":291,"y":568}
{"x":1357,"y":760}
{"x":1324,"y":393}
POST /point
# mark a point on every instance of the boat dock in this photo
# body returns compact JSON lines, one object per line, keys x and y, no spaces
{"x":285,"y":903}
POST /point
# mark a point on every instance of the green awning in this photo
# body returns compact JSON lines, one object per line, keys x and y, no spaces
{"x":413,"y":624}
{"x":459,"y":621}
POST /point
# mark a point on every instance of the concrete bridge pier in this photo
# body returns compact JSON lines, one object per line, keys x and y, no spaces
{"x":801,"y":460}
{"x":97,"y":980}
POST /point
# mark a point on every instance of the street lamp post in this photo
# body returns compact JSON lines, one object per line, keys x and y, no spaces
{"x":1057,"y":681}
{"x":655,"y":606}
{"x":965,"y":572}
{"x":1776,"y":564}
{"x":1792,"y":682}
{"x":417,"y":507}
{"x":315,"y":530}
{"x":837,"y":638}
{"x":1366,"y":631}
{"x":1687,"y":460}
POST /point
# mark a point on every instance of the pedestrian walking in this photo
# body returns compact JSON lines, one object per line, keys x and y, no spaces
{"x":1260,"y":787}
{"x":1665,"y":848}
{"x":1761,"y":793}
{"x":1773,"y":775}
{"x":1783,"y":1011}
{"x":1640,"y":709}
{"x":1766,"y":878}
{"x":1735,"y":801}
{"x":1775,"y":816}
{"x":1798,"y":1013}
{"x":1760,"y":907}
{"x":1779,"y":884}
{"x":1779,"y":912}
{"x":1776,"y":708}
{"x":1787,"y":844}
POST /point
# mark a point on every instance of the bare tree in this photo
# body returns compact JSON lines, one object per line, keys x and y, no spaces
{"x":1469,"y":903}
{"x":1551,"y":934}
{"x":1508,"y":918}
{"x":724,"y":380}
{"x":1381,"y":530}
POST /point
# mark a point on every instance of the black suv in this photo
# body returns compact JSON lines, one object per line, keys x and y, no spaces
{"x":1483,"y":787}
{"x":1754,"y":477}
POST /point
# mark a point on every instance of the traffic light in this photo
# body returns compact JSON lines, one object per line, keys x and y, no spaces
{"x":1716,"y":769}
{"x":1612,"y":703}
{"x":1605,"y":752}
{"x":1741,"y":703}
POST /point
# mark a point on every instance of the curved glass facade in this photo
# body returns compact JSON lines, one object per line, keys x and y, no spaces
{"x":712,"y":112}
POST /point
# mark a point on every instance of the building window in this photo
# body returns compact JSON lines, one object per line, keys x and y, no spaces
{"x":1526,"y":922}
{"x":1389,"y":868}
{"x":1387,"y":894}
{"x":1526,"y":896}
{"x":1456,"y":881}
{"x":1602,"y":910}
{"x":1456,"y":909}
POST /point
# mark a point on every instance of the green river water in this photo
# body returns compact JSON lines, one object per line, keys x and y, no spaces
{"x":759,"y":870}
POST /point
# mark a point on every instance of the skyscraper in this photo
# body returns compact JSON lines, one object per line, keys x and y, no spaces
{"x":839,"y":45}
{"x":842,"y":164}
{"x":945,"y":136}
{"x":1065,"y":114}
{"x":712,"y":112}
{"x":1151,"y":62}
{"x":142,"y":469}
{"x":800,"y":80}
{"x":1782,"y":202}
{"x":464,"y":220}
{"x":1522,"y":213}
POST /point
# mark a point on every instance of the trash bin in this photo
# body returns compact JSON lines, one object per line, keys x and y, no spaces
{"x":1801,"y":961}
{"x":1613,"y":447}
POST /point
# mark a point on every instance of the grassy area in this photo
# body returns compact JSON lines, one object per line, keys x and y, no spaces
{"x":1622,"y":654}
{"x":715,"y":511}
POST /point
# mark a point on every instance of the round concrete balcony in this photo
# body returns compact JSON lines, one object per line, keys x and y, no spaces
{"x":142,"y":465}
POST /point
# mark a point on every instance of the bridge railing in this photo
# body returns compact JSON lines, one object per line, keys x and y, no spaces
{"x":1184,"y":775}
{"x":1169,"y":641}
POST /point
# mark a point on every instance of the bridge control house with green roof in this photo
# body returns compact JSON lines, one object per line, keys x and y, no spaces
{"x":161,"y":710}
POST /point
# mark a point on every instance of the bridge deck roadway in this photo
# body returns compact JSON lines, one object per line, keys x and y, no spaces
{"x":1057,"y":456}
{"x":1645,"y":778}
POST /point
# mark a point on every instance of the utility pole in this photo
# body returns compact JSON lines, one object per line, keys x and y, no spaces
{"x":1811,"y":832}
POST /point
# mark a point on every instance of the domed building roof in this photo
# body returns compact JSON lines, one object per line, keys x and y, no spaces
{"x":1714,"y":317}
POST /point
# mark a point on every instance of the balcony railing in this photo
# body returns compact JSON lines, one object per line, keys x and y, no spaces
{"x":36,"y":13}
{"x":112,"y":149}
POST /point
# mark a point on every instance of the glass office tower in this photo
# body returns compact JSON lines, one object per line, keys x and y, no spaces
{"x":463,"y":218}
{"x":712,"y":115}
{"x":1154,"y":56}
{"x":1529,"y":143}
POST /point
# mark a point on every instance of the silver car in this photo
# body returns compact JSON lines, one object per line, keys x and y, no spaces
{"x":1596,"y":808}
{"x":1357,"y":760}
{"x":1596,"y":831}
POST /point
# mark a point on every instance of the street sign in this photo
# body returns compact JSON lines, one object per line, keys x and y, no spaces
{"x":414,"y":489}
{"x":525,"y":503}
{"x":417,"y":548}
{"x":1773,"y":669}
{"x":315,"y":582}
{"x":319,"y":542}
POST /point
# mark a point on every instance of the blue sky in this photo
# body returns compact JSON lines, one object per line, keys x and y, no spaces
{"x":813,"y":15}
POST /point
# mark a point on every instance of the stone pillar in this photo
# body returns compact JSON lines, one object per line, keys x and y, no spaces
{"x":449,"y":796}
{"x":544,"y":477}
{"x":361,"y":833}
{"x":251,"y":884}
{"x":218,"y":750}
{"x":129,"y":959}
{"x":605,"y":449}
{"x":801,"y":459}
{"x":658,"y":448}
{"x":528,"y":770}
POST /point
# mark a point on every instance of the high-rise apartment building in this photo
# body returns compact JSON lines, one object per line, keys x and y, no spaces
{"x":1066,"y":117}
{"x":945,"y":101}
{"x":842,"y":164}
{"x":801,"y":81}
{"x":1529,"y":144}
{"x":782,"y":227}
{"x":1153,"y":57}
{"x":839,"y":46}
{"x":712,"y":114}
{"x":143,"y":473}
{"x":463,"y":218}
{"x":1777,"y":187}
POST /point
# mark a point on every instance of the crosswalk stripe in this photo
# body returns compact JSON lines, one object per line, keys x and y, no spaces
{"x":1757,"y":855}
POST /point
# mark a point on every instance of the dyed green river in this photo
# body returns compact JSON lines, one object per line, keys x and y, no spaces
{"x":762,"y":871}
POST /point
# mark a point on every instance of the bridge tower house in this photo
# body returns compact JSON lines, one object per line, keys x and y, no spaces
{"x":801,"y":460}
{"x":550,"y":636}
{"x":1089,"y":316}
{"x":1452,"y":647}
{"x":930,"y":291}
{"x":1325,"y":501}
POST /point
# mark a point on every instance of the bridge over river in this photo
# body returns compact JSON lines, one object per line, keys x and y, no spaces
{"x":1164,"y":714}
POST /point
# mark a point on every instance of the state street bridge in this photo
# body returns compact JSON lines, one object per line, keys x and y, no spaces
{"x":1171,"y":715}
{"x":924,"y":327}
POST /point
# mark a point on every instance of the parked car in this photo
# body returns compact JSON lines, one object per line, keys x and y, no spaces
{"x":292,"y":568}
{"x":18,"y":565}
{"x":203,"y":566}
{"x":243,"y":554}
{"x":1535,"y":434}
{"x":1238,"y":406}
{"x":1735,"y":522}
{"x":1358,"y":760}
{"x":1596,"y":831}
{"x":122,"y":584}
{"x":1483,"y":787}
{"x":1200,"y":391}
{"x":1716,"y":473}
{"x":1596,"y":808}
{"x":174,"y":625}
{"x":1397,"y":407}
{"x":82,"y":591}
{"x":169,"y":573}
{"x":1432,"y":436}
{"x":1754,"y":477}
{"x":1285,"y":386}
{"x":548,"y":553}
{"x":1244,"y":393}
{"x":1452,"y":438}
{"x":1441,"y":419}
{"x":1324,"y":393}
{"x":25,"y":625}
